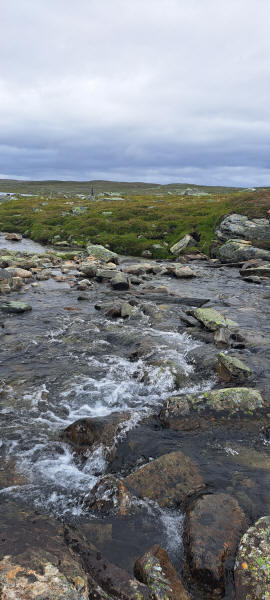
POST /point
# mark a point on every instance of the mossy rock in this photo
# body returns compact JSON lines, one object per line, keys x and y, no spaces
{"x":212,"y":319}
{"x":252,"y":566}
{"x":234,"y":399}
{"x":231,"y":367}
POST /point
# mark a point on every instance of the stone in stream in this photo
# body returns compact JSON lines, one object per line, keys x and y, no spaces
{"x":109,"y":495}
{"x":212,"y":319}
{"x":5,"y":281}
{"x":231,"y":368}
{"x":120,"y":281}
{"x":14,"y":306}
{"x":260,"y":271}
{"x":19,"y":272}
{"x":13,"y":237}
{"x":101,"y":253}
{"x":180,"y":271}
{"x":168,"y":480}
{"x":155,"y":569}
{"x":88,"y":268}
{"x":213,"y":529}
{"x":234,"y":399}
{"x":252,"y":565}
{"x":86,"y":434}
{"x":222,"y":337}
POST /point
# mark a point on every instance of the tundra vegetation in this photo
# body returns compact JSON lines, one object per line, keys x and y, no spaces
{"x":146,"y":218}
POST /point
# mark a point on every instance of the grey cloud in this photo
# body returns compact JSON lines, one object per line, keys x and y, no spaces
{"x":161,"y":90}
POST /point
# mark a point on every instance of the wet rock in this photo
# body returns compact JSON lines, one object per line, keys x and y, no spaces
{"x":231,"y":368}
{"x":214,"y":526}
{"x":259,"y":271}
{"x":87,"y":434}
{"x":109,"y":495}
{"x":156,"y":571}
{"x":16,"y":283}
{"x":88,"y":268}
{"x":185,"y":241}
{"x":234,"y":399}
{"x":14,"y":237}
{"x":83,"y":284}
{"x":15,"y":307}
{"x":222,"y":337}
{"x":43,"y":275}
{"x":120,"y":281}
{"x":83,"y":297}
{"x":181,"y":272}
{"x":168,"y":480}
{"x":113,"y":310}
{"x":240,"y":226}
{"x":212,"y":319}
{"x":177,"y":414}
{"x":141,"y":268}
{"x":252,"y":566}
{"x":235,"y":251}
{"x":19,"y":272}
{"x":102,"y":253}
{"x":106,"y":274}
{"x":253,"y":279}
{"x":203,"y":358}
{"x":128,"y":311}
{"x":5,"y":281}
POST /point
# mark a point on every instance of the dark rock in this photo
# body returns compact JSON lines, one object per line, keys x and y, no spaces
{"x":232,"y":368}
{"x":109,"y":495}
{"x":214,"y":526}
{"x":120,"y":281}
{"x":156,"y":571}
{"x":168,"y":480}
{"x":86,"y":434}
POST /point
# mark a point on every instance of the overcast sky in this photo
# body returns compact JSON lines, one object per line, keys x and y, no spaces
{"x":147,"y":90}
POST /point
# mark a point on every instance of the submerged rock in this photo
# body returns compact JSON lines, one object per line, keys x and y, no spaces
{"x":168,"y":480}
{"x":155,"y":569}
{"x":109,"y":494}
{"x":212,"y":319}
{"x":214,"y":526}
{"x":102,"y":253}
{"x":231,"y":368}
{"x":252,"y":566}
{"x":15,"y":307}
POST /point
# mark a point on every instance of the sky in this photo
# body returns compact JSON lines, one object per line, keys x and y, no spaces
{"x":136,"y":90}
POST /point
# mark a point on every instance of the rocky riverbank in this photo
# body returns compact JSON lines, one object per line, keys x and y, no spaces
{"x":135,"y":425}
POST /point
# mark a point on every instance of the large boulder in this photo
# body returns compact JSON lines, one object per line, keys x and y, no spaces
{"x":252,"y":566}
{"x":155,"y":569}
{"x":237,"y":251}
{"x":168,"y":480}
{"x":102,"y":253}
{"x":214,"y":527}
{"x":185,"y":241}
{"x":240,"y":226}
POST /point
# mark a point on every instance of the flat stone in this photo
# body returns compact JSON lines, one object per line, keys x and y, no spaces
{"x":168,"y":480}
{"x":212,"y":319}
{"x":102,"y":253}
{"x":234,"y":399}
{"x":15,"y":307}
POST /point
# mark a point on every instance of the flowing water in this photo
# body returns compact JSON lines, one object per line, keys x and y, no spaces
{"x":59,"y":365}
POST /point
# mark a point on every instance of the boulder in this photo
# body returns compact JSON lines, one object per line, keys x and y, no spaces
{"x":185,"y":241}
{"x":214,"y":526}
{"x":15,"y":307}
{"x":212,"y":319}
{"x":168,"y":480}
{"x":252,"y":565}
{"x":155,"y":569}
{"x":231,"y":368}
{"x":14,"y":237}
{"x":88,"y":433}
{"x":120,"y":281}
{"x":234,"y":400}
{"x":106,"y":274}
{"x":142,"y":268}
{"x":237,"y":251}
{"x":102,"y":253}
{"x":180,"y":271}
{"x":240,"y":226}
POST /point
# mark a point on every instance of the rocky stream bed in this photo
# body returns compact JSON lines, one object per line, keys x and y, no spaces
{"x":135,"y":437}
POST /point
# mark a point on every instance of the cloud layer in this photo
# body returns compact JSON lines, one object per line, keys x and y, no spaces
{"x":156,"y":90}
